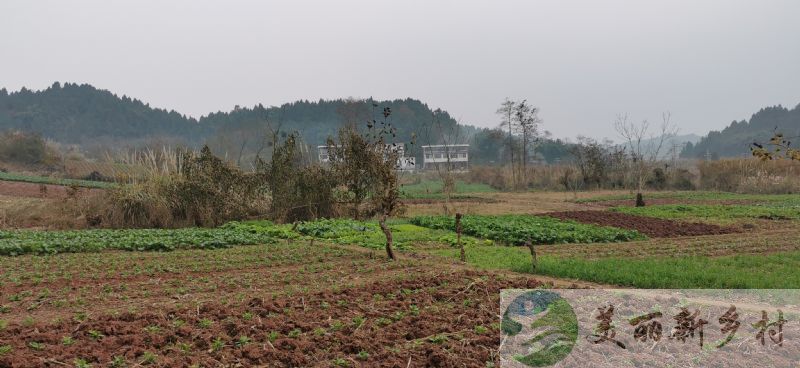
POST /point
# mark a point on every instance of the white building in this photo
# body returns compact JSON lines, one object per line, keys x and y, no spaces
{"x":454,"y":155}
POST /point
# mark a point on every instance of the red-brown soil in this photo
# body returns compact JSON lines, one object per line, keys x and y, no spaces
{"x":425,"y":321}
{"x":317,"y":310}
{"x":33,"y":190}
{"x":652,"y":227}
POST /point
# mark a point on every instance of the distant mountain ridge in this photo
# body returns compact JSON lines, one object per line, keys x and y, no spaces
{"x":81,"y":113}
{"x":736,"y":139}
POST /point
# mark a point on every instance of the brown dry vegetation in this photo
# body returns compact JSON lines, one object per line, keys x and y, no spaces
{"x":510,"y":203}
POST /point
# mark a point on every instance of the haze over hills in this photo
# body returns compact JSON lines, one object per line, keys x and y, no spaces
{"x":78,"y":114}
{"x":82,"y":114}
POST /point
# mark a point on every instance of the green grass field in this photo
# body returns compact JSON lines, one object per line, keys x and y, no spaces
{"x":774,"y":271}
{"x":433,"y":189}
{"x":700,"y":196}
{"x":715,"y":212}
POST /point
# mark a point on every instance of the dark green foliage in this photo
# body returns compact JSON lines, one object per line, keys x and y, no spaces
{"x":81,"y":113}
{"x":737,"y":138}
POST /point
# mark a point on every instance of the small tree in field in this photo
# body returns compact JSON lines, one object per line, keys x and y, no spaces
{"x":366,"y":164}
{"x":350,"y":162}
{"x":642,"y":155}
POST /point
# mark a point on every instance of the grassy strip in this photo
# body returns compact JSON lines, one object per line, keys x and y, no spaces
{"x":682,"y":211}
{"x":698,"y":195}
{"x":433,"y":189}
{"x":18,"y":242}
{"x":517,"y":229}
{"x":774,"y":271}
{"x":55,"y":181}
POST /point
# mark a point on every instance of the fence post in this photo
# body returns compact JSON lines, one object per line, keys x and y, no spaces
{"x":458,"y":237}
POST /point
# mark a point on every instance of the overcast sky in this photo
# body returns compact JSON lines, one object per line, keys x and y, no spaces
{"x":581,"y":62}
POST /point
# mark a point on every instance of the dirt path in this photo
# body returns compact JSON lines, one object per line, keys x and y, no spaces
{"x":456,"y":265}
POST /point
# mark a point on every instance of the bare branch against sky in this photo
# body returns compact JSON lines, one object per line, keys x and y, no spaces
{"x":582,"y":62}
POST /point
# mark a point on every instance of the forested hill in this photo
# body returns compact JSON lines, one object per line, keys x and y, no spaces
{"x":736,"y":139}
{"x":75,"y":113}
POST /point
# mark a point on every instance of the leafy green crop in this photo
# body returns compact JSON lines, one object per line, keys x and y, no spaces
{"x":55,"y":181}
{"x":368,"y":233}
{"x":17,"y":242}
{"x":263,"y":227}
{"x":516,"y":229}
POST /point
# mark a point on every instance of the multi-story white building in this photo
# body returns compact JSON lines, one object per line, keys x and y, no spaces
{"x":454,"y":155}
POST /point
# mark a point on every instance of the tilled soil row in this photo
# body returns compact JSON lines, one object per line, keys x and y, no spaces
{"x":652,"y":227}
{"x":444,"y":318}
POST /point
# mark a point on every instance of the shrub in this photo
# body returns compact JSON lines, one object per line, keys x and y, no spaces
{"x":206,"y":192}
{"x":26,"y":149}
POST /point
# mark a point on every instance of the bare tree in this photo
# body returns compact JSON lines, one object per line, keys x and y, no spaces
{"x":506,"y":112}
{"x":527,"y":124}
{"x":447,"y":135}
{"x":643,"y":157}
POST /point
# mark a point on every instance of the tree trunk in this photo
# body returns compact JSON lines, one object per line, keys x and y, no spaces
{"x":533,"y":254}
{"x":639,"y":200}
{"x":388,"y":233}
{"x":511,"y":151}
{"x":458,"y":237}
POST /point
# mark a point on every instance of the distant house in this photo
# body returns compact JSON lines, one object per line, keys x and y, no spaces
{"x":322,"y":154}
{"x":454,"y":155}
{"x":404,"y":163}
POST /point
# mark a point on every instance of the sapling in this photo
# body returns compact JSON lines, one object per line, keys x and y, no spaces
{"x":458,"y":237}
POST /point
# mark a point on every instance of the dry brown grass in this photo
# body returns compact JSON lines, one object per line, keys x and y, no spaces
{"x":43,"y":213}
{"x":750,"y":176}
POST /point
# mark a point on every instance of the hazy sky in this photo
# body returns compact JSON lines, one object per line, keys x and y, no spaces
{"x":581,"y":62}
